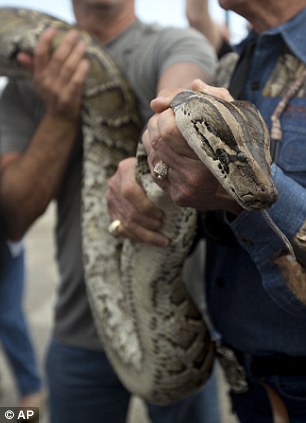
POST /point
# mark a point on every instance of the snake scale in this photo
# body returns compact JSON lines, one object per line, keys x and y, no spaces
{"x":151,"y":330}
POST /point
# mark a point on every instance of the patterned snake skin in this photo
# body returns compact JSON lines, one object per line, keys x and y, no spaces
{"x":151,"y":330}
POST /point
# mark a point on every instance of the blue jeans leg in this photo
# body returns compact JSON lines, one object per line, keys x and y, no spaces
{"x":253,"y":406}
{"x":83,"y":387}
{"x":202,"y":407}
{"x":14,"y":332}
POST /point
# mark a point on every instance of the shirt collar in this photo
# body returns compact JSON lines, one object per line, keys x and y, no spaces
{"x":293,"y":33}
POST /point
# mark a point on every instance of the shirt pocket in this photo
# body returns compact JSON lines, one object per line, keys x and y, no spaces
{"x":292,"y":158}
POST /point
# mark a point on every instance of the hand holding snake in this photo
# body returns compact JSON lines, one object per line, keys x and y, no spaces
{"x":140,"y":219}
{"x":188,"y":182}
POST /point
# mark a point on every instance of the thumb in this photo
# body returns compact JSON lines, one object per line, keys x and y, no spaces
{"x":26,"y":60}
{"x":163,"y":99}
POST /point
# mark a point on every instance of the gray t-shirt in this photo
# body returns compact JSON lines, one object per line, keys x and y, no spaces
{"x":143,"y":52}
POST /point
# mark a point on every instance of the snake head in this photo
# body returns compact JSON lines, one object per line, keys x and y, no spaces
{"x":233,"y":142}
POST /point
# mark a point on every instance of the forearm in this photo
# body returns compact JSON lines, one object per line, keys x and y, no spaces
{"x":181,"y":75}
{"x":31,"y":180}
{"x":198,"y":16}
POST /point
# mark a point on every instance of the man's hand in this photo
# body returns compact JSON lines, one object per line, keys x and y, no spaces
{"x":59,"y":75}
{"x":127,"y":201}
{"x":189,"y":182}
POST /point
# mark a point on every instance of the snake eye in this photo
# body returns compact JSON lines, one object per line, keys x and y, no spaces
{"x":241,"y":157}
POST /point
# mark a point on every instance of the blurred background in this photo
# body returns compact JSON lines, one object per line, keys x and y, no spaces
{"x":165,"y":12}
{"x":170,"y":12}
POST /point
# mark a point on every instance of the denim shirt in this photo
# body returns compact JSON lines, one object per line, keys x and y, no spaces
{"x":249,"y":301}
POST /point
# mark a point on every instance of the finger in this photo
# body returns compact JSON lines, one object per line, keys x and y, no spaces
{"x":170,"y":142}
{"x":151,"y":135}
{"x":199,"y":85}
{"x":139,"y":234}
{"x":150,"y":215}
{"x":163,"y":100}
{"x":139,"y":229}
{"x":43,"y":49}
{"x":80,"y":74}
{"x":181,"y":182}
{"x":156,"y":146}
{"x":132,"y":202}
{"x":61,"y":53}
{"x":73,"y":88}
{"x":151,"y":141}
{"x":72,"y":62}
{"x":26,"y":60}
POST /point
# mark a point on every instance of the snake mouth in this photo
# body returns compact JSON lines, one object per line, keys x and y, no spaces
{"x":261,"y":201}
{"x":181,"y":98}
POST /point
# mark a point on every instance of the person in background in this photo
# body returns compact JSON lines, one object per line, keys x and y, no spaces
{"x":15,"y":336}
{"x":46,"y":151}
{"x":255,"y":287}
{"x":199,"y":17}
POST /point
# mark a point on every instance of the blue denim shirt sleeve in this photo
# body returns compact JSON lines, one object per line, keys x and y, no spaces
{"x":256,"y":236}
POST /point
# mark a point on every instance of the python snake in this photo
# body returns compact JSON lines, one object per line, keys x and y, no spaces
{"x":151,"y":330}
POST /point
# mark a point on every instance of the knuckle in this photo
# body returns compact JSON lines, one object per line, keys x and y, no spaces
{"x":193,"y":179}
{"x":68,"y":69}
{"x":224,"y":93}
{"x":128,"y":191}
{"x":47,"y":86}
{"x":121,"y":166}
{"x":155,"y":141}
{"x":143,"y":208}
{"x":170,"y":131}
{"x":110,"y":185}
{"x":130,"y":218}
{"x":57,"y":58}
{"x":181,"y":196}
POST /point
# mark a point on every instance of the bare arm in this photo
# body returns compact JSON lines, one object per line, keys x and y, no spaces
{"x":198,"y":16}
{"x":30,"y":180}
{"x":181,"y":75}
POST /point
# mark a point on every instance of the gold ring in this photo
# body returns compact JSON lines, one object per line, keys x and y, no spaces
{"x":114,"y":227}
{"x":161,"y":170}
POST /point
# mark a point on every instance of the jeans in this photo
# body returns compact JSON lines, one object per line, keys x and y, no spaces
{"x":14,"y":332}
{"x":83,"y":387}
{"x":253,"y":406}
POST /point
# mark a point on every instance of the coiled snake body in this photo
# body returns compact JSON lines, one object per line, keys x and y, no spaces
{"x":151,"y":330}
